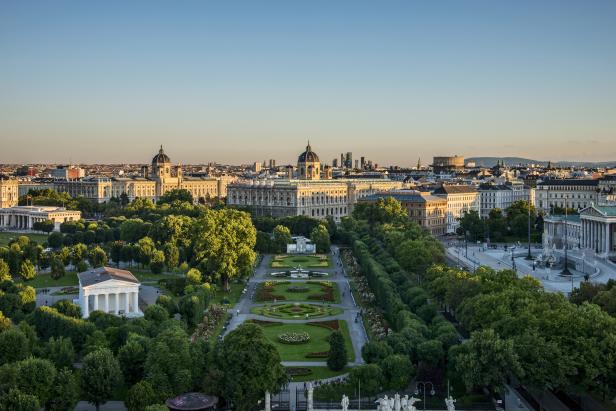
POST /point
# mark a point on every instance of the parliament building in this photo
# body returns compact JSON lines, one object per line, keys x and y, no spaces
{"x":312,"y":192}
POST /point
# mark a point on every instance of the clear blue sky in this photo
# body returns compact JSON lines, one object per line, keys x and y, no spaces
{"x":106,"y":81}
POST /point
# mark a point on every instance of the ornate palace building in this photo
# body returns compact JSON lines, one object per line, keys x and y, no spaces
{"x":9,"y":192}
{"x":160,"y":178}
{"x":312,"y":192}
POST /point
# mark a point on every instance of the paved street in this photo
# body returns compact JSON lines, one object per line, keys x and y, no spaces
{"x":600,"y":270}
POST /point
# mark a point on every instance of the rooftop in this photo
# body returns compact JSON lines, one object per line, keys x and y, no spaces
{"x":102,"y":274}
{"x":455,"y":189}
{"x":568,"y":182}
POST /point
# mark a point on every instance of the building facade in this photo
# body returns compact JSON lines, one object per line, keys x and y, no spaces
{"x":598,"y":229}
{"x":460,"y":199}
{"x":159,"y":179}
{"x":109,"y":290}
{"x":570,"y":193}
{"x":447,"y":164}
{"x":427,"y":210}
{"x":312,"y":192}
{"x":560,"y":231}
{"x":501,"y":196}
{"x":9,"y":192}
{"x":24,"y":217}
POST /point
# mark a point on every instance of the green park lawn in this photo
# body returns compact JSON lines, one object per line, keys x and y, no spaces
{"x":307,"y":291}
{"x":228,"y":297}
{"x":296,"y":311}
{"x":303,"y":261}
{"x":317,"y":344}
{"x":6,"y":237}
{"x":317,"y":373}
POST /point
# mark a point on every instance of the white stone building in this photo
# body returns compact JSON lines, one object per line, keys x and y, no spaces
{"x":9,"y":192}
{"x":460,"y":199}
{"x":575,"y":193}
{"x":110,"y":290}
{"x":501,"y":196}
{"x":24,"y":217}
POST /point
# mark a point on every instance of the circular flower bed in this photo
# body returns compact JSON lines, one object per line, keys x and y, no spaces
{"x":297,"y":289}
{"x":294,"y":338}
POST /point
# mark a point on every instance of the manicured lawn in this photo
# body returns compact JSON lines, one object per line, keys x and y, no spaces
{"x":146,"y":276}
{"x":325,"y":291}
{"x":231,"y":297}
{"x":303,"y":261}
{"x":6,"y":236}
{"x":44,"y":280}
{"x":296,"y":311}
{"x":318,"y":373}
{"x":318,"y":341}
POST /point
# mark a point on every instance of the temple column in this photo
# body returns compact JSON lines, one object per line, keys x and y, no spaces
{"x":126,"y":304}
{"x":106,"y":304}
{"x":95,"y":306}
{"x":85,"y":309}
{"x":607,"y":239}
{"x":116,"y":309}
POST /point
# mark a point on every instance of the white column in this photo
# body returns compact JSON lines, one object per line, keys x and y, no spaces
{"x":117,"y":303}
{"x":135,"y":301}
{"x":126,"y":304}
{"x":607,"y":238}
{"x":85,"y":309}
{"x":106,"y":302}
{"x":95,"y":302}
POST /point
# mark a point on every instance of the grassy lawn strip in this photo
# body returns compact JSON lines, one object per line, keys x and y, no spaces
{"x":323,"y":291}
{"x":303,"y":261}
{"x":317,"y":373}
{"x":296,"y":311}
{"x":6,"y":237}
{"x":230,"y":297}
{"x":44,"y":280}
{"x":317,"y":344}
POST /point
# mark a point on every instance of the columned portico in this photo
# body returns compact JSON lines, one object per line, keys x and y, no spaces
{"x":109,"y":290}
{"x":598,"y":225}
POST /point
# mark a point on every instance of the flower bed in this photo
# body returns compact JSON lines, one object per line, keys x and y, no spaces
{"x":298,"y":371}
{"x":297,"y":289}
{"x":321,"y":354}
{"x":294,"y":338}
{"x":212,"y":318}
{"x":331,"y":325}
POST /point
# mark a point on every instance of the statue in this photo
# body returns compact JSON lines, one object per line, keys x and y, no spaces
{"x":345,"y":403}
{"x":404,"y":403}
{"x":412,"y":401}
{"x":309,"y":401}
{"x":450,"y":403}
{"x":383,"y":404}
{"x":390,"y":404}
{"x":268,"y":406}
{"x":397,"y":402}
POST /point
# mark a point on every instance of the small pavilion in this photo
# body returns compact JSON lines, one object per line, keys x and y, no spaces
{"x":110,"y":290}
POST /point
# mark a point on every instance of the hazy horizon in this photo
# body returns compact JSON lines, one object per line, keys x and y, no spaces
{"x":239,"y":82}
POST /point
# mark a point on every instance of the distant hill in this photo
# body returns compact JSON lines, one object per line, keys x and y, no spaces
{"x":512,"y":161}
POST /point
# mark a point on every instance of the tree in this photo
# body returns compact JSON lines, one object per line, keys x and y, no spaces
{"x":375,"y":351}
{"x":486,"y":360}
{"x":320,"y":238}
{"x":132,"y":357}
{"x":16,"y":400}
{"x":251,"y":365}
{"x":369,"y":376}
{"x":78,"y":252}
{"x":168,"y":363}
{"x":97,"y":257}
{"x":178,"y":194}
{"x":34,"y":376}
{"x":156,"y":313}
{"x":337,"y":357}
{"x":55,"y":239}
{"x":471,"y":223}
{"x":27,"y":271}
{"x":115,"y":252}
{"x":13,"y":346}
{"x":157,"y":262}
{"x":172,"y":255}
{"x":100,"y":376}
{"x":224,"y":243}
{"x":46,"y":226}
{"x":193,"y":276}
{"x":281,"y":236}
{"x":5,"y":323}
{"x":145,"y":250}
{"x":57,"y":268}
{"x":397,"y":371}
{"x":68,"y":308}
{"x":5,"y":272}
{"x":61,"y":352}
{"x":140,"y":395}
{"x":430,"y":352}
{"x":64,"y":392}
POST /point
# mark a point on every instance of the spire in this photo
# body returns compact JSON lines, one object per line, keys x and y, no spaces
{"x":308,"y":148}
{"x":418,"y":163}
{"x":161,"y":149}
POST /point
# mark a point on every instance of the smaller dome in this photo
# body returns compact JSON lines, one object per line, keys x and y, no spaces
{"x":308,"y":156}
{"x":161,"y":157}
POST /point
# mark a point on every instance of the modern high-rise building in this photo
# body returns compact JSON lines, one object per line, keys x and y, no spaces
{"x":363,"y":162}
{"x":348,"y":161}
{"x":335,"y":162}
{"x":356,"y":164}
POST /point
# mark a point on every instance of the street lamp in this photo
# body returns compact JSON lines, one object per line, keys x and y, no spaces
{"x":512,"y":258}
{"x":466,"y":244}
{"x":566,"y":269}
{"x":529,"y":256}
{"x":423,"y":385}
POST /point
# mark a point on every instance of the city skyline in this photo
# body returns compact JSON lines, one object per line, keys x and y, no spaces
{"x":237,"y":83}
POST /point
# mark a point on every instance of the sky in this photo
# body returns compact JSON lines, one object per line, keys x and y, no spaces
{"x":237,"y":82}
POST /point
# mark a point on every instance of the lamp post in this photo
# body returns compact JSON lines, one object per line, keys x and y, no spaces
{"x":466,"y":244}
{"x":512,"y":258}
{"x":423,"y":385}
{"x":529,"y":256}
{"x":566,"y":269}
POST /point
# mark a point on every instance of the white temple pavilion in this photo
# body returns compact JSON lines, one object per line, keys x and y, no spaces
{"x":110,"y":290}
